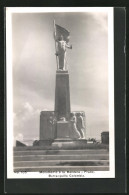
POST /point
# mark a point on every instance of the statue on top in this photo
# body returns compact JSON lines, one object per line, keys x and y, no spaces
{"x":61,"y":36}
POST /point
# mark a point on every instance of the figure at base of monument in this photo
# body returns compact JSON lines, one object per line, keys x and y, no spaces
{"x":53,"y":121}
{"x":75,"y":131}
{"x":80,"y":124}
{"x":48,"y":125}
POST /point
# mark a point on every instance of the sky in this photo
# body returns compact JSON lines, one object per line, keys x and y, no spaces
{"x":34,"y":69}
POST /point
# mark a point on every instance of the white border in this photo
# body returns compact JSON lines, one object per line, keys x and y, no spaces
{"x":9,"y":11}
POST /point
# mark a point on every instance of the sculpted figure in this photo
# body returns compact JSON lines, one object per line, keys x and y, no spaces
{"x":80,"y":125}
{"x":52,"y":122}
{"x":61,"y":52}
{"x":74,"y":127}
{"x":52,"y":119}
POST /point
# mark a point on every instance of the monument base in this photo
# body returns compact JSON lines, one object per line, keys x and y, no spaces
{"x":57,"y":144}
{"x":69,"y":143}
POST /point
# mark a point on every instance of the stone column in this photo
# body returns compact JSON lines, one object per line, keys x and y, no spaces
{"x":62,"y":95}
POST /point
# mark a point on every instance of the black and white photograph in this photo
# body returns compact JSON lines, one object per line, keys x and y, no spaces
{"x":60,"y":92}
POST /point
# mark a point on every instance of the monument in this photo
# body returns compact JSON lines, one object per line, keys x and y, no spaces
{"x":62,"y":124}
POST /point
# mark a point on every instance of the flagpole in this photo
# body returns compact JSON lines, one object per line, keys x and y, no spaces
{"x":55,"y":42}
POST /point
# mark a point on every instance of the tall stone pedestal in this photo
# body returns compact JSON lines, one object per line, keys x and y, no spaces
{"x":62,"y":95}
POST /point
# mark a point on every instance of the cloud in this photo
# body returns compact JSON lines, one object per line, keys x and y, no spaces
{"x":19,"y":137}
{"x":27,"y":121}
{"x":28,"y":107}
{"x":101,"y":19}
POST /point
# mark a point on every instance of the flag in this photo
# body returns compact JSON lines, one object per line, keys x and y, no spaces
{"x":61,"y":31}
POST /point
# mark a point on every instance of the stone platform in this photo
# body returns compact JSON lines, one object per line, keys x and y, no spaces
{"x":69,"y":143}
{"x":92,"y":157}
{"x":65,"y":143}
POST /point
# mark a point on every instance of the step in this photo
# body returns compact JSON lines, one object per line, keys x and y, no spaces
{"x":61,"y":163}
{"x":59,"y":152}
{"x":74,"y":145}
{"x":66,"y":168}
{"x":61,"y":157}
